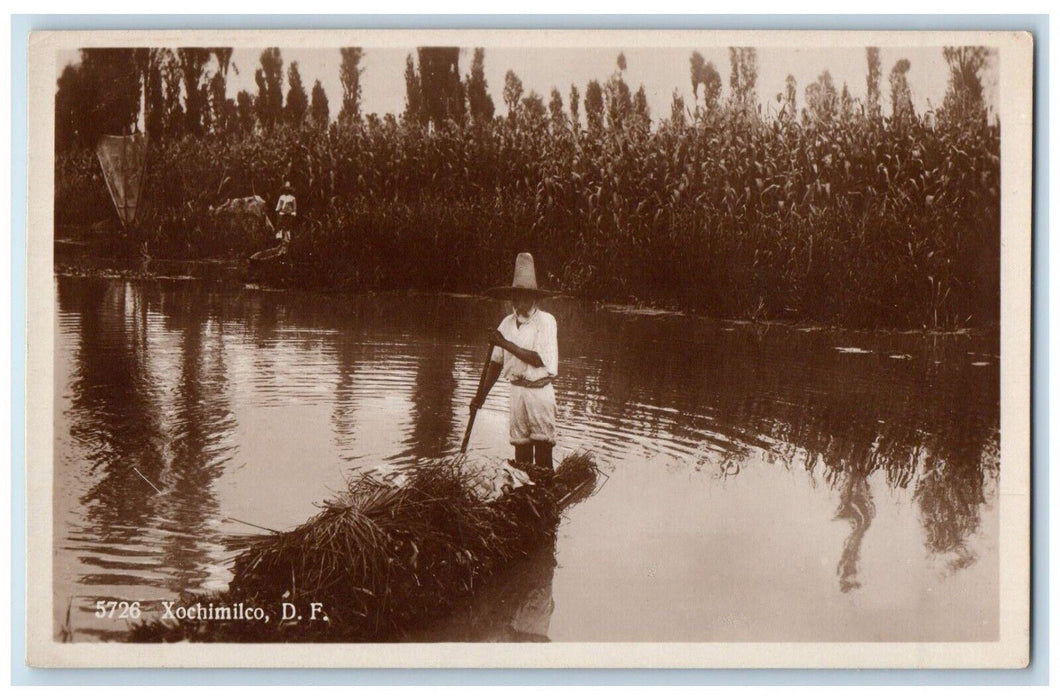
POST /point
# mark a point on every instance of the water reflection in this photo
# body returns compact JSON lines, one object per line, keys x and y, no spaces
{"x":347,"y":354}
{"x":149,"y":451}
{"x":116,"y":418}
{"x":433,"y":416}
{"x":950,"y":496}
{"x":200,"y":446}
{"x":245,"y":404}
{"x":856,"y":506}
{"x":516,"y":606}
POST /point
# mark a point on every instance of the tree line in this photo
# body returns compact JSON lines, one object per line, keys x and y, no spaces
{"x":733,"y":204}
{"x":184,"y":92}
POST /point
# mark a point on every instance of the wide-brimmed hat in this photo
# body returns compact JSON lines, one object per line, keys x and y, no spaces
{"x":524,"y":280}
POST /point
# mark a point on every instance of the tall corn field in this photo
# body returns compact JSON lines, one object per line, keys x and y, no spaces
{"x":855,"y":221}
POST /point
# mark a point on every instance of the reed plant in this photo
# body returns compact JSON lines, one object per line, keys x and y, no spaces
{"x":854,"y":220}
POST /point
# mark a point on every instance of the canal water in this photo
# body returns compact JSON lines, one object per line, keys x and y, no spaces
{"x":764,"y":483}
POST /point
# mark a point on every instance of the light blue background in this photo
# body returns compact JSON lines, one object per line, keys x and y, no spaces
{"x":1037,"y":673}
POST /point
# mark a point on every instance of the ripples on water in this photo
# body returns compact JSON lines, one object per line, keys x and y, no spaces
{"x":766,"y":483}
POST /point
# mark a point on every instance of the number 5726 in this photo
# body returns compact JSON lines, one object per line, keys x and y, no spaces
{"x":118,"y":609}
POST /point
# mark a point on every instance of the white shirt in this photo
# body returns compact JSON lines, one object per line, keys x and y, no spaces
{"x":286,"y":204}
{"x":538,"y":333}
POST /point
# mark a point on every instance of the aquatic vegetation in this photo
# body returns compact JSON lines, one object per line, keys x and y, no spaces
{"x":855,"y":220}
{"x":383,"y":556}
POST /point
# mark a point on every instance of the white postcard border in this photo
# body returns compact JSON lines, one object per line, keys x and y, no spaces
{"x":1010,"y":651}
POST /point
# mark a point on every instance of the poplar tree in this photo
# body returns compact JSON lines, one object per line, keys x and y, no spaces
{"x":297,"y":101}
{"x":513,"y":92}
{"x":269,"y":79}
{"x":319,"y":109}
{"x":872,"y":82}
{"x":350,"y":76}
{"x":901,"y":97}
{"x":479,"y":102}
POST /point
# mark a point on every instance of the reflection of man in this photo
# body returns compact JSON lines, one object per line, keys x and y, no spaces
{"x":532,"y":617}
{"x":526,"y":353}
{"x":513,"y":606}
{"x":855,"y":505}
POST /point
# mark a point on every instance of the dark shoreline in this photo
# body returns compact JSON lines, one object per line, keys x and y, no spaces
{"x":234,"y":273}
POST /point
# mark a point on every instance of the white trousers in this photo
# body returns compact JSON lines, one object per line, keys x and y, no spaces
{"x":532,"y":415}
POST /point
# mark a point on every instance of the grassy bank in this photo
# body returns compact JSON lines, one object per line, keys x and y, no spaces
{"x":856,"y":222}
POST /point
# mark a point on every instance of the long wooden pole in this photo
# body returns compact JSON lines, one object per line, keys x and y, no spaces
{"x":474,"y":411}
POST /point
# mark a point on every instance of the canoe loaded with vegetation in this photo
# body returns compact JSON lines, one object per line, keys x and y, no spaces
{"x":385,"y":556}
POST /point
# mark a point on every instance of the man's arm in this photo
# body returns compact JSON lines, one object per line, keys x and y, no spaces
{"x":530,"y":357}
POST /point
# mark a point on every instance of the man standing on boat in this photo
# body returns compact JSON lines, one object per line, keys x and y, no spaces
{"x":286,"y":211}
{"x":526,"y":352}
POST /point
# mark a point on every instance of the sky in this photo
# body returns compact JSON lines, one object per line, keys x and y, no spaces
{"x":660,"y":71}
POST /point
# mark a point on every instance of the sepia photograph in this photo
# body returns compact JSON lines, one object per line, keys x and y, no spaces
{"x":550,"y":349}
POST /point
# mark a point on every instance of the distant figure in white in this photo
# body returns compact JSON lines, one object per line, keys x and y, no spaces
{"x":286,"y":213}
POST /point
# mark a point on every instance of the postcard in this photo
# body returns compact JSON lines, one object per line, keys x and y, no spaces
{"x":479,"y":348}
